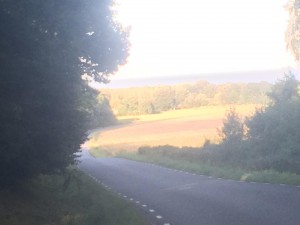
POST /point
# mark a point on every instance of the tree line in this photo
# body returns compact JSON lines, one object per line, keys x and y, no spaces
{"x":156,"y":99}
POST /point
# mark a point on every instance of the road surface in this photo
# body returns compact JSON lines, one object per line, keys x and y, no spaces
{"x":172,"y":197}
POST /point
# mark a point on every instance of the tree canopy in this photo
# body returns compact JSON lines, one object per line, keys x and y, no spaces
{"x":292,"y":34}
{"x":273,"y":134}
{"x":46,"y":47}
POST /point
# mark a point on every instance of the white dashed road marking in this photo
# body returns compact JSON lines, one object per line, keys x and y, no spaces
{"x":159,"y":217}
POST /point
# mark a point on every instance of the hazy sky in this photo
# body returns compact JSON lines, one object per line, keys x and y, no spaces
{"x":174,"y":37}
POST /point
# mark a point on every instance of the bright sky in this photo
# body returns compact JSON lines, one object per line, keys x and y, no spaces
{"x":180,"y":37}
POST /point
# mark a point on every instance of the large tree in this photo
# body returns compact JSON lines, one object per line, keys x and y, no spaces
{"x":292,"y":35}
{"x":274,"y":133}
{"x":46,"y":47}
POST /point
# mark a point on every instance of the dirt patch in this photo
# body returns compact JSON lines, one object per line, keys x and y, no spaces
{"x":161,"y":127}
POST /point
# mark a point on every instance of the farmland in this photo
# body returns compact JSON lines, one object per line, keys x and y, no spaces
{"x":186,"y":127}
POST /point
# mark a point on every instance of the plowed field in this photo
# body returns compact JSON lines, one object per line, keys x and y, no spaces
{"x":179,"y":128}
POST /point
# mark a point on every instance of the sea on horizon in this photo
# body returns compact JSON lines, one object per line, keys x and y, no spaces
{"x":270,"y":76}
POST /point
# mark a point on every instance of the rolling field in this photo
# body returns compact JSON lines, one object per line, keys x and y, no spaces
{"x":188,"y":127}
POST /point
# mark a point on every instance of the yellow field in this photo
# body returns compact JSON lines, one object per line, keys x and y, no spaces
{"x":187,"y":127}
{"x":205,"y":112}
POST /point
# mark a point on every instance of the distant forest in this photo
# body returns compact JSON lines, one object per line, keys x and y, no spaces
{"x":156,"y":99}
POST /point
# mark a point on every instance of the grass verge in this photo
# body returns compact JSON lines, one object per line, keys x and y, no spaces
{"x":46,"y":200}
{"x":266,"y":176}
{"x":101,"y":152}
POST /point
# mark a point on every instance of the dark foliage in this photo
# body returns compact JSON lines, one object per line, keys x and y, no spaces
{"x":43,"y":118}
{"x":233,"y":128}
{"x":274,"y":133}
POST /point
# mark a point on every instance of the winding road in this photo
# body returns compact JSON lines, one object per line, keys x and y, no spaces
{"x":172,"y":197}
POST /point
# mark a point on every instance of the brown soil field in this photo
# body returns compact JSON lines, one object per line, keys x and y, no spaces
{"x":189,"y":127}
{"x":161,"y":127}
{"x":178,"y":132}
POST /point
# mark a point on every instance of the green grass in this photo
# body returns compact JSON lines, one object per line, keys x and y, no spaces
{"x":266,"y":176}
{"x":44,"y":201}
{"x":101,"y":152}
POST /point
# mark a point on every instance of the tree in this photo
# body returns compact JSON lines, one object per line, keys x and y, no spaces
{"x":98,"y":109}
{"x":233,"y":128}
{"x":292,"y":34}
{"x":274,"y":133}
{"x":284,"y":90}
{"x":46,"y":47}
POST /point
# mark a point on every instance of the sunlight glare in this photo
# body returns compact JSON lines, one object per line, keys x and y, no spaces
{"x":175,"y":37}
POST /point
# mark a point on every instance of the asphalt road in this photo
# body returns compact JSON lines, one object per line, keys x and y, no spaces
{"x":168,"y":196}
